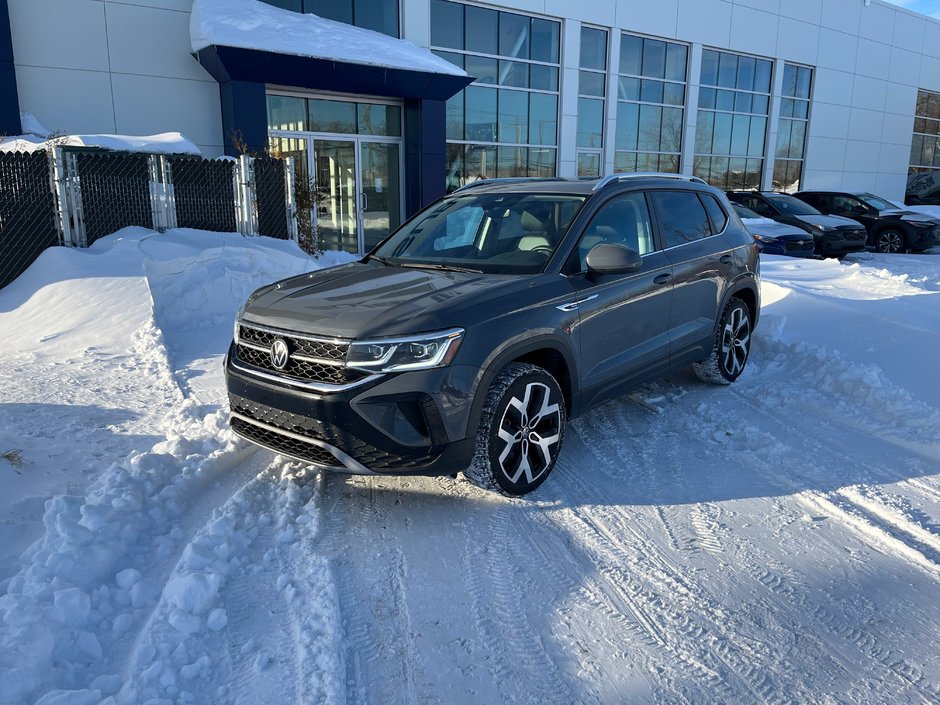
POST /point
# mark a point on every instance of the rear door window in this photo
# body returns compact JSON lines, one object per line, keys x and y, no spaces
{"x":682,"y":217}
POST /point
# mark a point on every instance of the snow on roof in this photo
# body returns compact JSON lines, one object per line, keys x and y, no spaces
{"x":164,"y":143}
{"x":249,"y":24}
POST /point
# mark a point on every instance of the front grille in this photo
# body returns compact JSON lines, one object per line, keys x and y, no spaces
{"x":365,"y":453}
{"x":284,"y":444}
{"x":310,"y":360}
{"x":852,"y":234}
{"x":799,"y":245}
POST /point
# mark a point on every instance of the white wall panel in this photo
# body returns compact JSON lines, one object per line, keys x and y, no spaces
{"x":798,"y":41}
{"x":908,"y":31}
{"x":869,"y":93}
{"x":705,"y":21}
{"x":154,"y":42}
{"x":861,"y":156}
{"x":68,"y":101}
{"x":59,"y":33}
{"x":754,"y":31}
{"x":874,"y":59}
{"x":825,"y":153}
{"x":658,"y":18}
{"x":803,"y":10}
{"x":905,"y":67}
{"x":837,"y":50}
{"x":877,"y":23}
{"x":833,"y":87}
{"x":865,"y":125}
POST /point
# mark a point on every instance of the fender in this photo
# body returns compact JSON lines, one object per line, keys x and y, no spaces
{"x":517,"y":346}
{"x":743,"y":281}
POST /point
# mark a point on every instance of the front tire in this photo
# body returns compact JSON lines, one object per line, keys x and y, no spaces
{"x":521,"y":431}
{"x":732,"y":346}
{"x":889,"y":241}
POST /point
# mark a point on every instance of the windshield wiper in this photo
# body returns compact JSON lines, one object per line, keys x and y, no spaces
{"x":436,"y":265}
{"x":384,"y":260}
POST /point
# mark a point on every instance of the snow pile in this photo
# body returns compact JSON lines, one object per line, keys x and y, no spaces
{"x":123,"y":595}
{"x":164,"y":143}
{"x":31,"y":125}
{"x":249,"y":24}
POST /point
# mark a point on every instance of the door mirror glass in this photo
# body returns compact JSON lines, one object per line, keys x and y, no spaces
{"x":608,"y":258}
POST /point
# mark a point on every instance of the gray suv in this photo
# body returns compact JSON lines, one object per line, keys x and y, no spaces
{"x":467,"y":339}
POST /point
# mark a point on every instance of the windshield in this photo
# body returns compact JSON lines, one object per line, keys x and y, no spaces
{"x":790,"y":205}
{"x":877,"y":203}
{"x":495,"y":233}
{"x":746,"y":213}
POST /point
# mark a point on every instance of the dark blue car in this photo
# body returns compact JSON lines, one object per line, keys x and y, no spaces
{"x":774,"y":238}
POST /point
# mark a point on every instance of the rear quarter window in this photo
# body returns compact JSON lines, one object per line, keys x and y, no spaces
{"x":682,"y":217}
{"x":715,"y":212}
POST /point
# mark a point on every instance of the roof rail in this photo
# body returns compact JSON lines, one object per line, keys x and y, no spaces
{"x":507,"y":180}
{"x":610,"y":178}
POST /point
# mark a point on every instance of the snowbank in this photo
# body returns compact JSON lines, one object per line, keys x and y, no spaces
{"x":249,"y":24}
{"x":164,"y":143}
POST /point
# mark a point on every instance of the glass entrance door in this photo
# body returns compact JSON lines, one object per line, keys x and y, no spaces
{"x":381,"y":191}
{"x":337,"y":184}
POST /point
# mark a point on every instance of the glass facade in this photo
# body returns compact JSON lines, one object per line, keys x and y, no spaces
{"x":592,"y":106}
{"x":506,"y":122}
{"x":792,"y":127}
{"x":650,"y":104}
{"x":924,"y":170}
{"x":378,"y":15}
{"x":731,"y":129}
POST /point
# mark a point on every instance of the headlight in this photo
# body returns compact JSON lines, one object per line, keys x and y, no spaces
{"x":822,"y":228}
{"x":763,"y":238}
{"x":921,"y":223}
{"x":418,"y":352}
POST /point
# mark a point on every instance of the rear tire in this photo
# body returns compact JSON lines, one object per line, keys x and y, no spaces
{"x":732,"y":346}
{"x":521,"y":431}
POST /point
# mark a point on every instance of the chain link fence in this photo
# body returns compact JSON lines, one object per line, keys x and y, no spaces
{"x":74,"y":196}
{"x":204,"y":193}
{"x":27,"y":212}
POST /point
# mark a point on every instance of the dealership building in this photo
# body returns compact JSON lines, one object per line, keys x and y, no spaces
{"x":388,"y":103}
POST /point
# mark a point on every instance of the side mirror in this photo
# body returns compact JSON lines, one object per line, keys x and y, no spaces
{"x":607,"y":258}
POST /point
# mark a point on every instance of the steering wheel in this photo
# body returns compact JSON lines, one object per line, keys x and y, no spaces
{"x":546,"y":250}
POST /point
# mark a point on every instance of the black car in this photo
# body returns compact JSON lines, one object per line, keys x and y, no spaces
{"x":834,"y":236}
{"x":775,"y":238}
{"x":468,"y":338}
{"x":890,"y":229}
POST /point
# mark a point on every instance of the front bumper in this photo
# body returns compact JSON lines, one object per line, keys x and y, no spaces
{"x":406,"y":424}
{"x":840,"y":242}
{"x":924,"y":238}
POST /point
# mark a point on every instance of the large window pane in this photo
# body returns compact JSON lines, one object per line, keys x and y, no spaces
{"x":727,"y":70}
{"x":512,"y":162}
{"x":455,"y":117}
{"x":545,"y":41}
{"x":480,"y":162}
{"x":484,"y":70}
{"x":651,"y":117}
{"x":628,"y":115}
{"x":543,"y":78}
{"x":541,"y":162}
{"x":589,"y":164}
{"x":676,"y":61}
{"x":590,"y":122}
{"x":746,"y":68}
{"x":654,"y":58}
{"x":377,"y":15}
{"x":481,"y":114}
{"x":543,"y":118}
{"x":332,"y":116}
{"x":447,"y":26}
{"x":482,"y":30}
{"x":671,"y":133}
{"x":287,"y":113}
{"x":592,"y":83}
{"x":703,"y":133}
{"x":513,"y":35}
{"x":709,"y":68}
{"x":514,"y":73}
{"x":631,"y":54}
{"x":513,"y":116}
{"x":593,"y":48}
{"x":379,"y":119}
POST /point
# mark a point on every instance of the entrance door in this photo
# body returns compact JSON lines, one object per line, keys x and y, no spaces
{"x":335,"y":174}
{"x":380,"y":168}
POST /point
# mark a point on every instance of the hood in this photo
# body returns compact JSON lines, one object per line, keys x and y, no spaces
{"x":766,"y":227}
{"x":360,"y":300}
{"x":908,"y":215}
{"x":831,"y":221}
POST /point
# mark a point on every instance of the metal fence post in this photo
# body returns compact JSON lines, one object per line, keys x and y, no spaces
{"x":157,"y":194}
{"x":169,"y":193}
{"x":244,"y":175}
{"x":291,"y":198}
{"x":63,"y":216}
{"x":73,"y":194}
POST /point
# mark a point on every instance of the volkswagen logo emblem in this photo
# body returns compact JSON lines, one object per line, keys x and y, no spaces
{"x":280,"y":354}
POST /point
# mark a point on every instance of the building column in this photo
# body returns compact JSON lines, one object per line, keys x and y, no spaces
{"x":773,"y":121}
{"x":568,"y":99}
{"x":9,"y":98}
{"x":613,"y":92}
{"x":425,"y":153}
{"x":687,"y":160}
{"x":244,"y":113}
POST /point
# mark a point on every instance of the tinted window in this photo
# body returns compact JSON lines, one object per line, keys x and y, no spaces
{"x":682,"y":216}
{"x":792,"y":206}
{"x":623,"y":220}
{"x":715,"y":212}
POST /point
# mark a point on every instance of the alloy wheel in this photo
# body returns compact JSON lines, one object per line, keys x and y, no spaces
{"x":889,"y":241}
{"x":736,"y":341}
{"x":530,"y":428}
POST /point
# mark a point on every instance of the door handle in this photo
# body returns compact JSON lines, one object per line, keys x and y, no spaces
{"x":662,"y":278}
{"x":725,"y":259}
{"x":365,"y":202}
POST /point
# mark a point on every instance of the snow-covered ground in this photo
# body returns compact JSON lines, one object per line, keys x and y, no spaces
{"x":775,"y":541}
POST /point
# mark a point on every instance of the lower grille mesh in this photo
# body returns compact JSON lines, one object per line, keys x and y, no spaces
{"x":284,"y":444}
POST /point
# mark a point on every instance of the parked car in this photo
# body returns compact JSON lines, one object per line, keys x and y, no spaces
{"x":833,"y":235}
{"x":775,"y":238}
{"x":468,"y":338}
{"x":890,"y":229}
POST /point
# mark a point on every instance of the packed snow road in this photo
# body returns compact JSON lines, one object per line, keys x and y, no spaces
{"x":776,"y":541}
